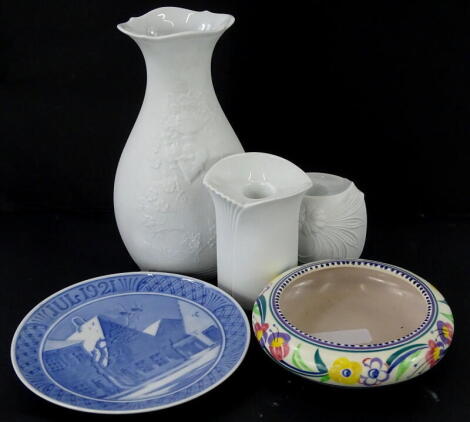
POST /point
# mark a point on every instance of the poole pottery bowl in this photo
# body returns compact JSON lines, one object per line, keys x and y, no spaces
{"x":354,"y":323}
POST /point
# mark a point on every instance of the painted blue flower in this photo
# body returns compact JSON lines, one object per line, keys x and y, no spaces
{"x":375,"y":372}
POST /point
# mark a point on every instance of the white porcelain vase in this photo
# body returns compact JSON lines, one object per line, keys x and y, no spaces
{"x":164,"y":214}
{"x":257,"y":200}
{"x":333,"y":219}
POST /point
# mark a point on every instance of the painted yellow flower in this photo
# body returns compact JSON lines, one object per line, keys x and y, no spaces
{"x":345,"y":371}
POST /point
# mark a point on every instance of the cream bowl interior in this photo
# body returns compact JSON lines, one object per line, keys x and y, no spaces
{"x":353,"y":305}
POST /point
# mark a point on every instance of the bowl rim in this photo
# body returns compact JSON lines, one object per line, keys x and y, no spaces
{"x":422,"y":287}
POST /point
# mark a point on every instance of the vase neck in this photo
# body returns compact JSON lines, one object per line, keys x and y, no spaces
{"x":178,"y":64}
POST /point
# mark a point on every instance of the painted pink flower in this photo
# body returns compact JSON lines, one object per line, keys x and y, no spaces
{"x":435,"y":352}
{"x":260,"y":332}
{"x":279,"y":345}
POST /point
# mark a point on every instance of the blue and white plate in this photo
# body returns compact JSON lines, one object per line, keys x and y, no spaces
{"x":130,"y":343}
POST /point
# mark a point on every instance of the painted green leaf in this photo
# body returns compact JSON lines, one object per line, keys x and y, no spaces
{"x":448,"y":316}
{"x":261,"y":301}
{"x":298,"y":361}
{"x":325,"y":378}
{"x":403,"y":367}
{"x":256,"y":309}
{"x":393,"y":356}
{"x":321,"y":367}
{"x":295,"y":357}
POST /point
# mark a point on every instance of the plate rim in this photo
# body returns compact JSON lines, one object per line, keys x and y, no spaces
{"x":132,"y":411}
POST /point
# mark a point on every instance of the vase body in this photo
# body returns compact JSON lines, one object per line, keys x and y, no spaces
{"x":333,"y":220}
{"x":164,"y":214}
{"x":257,"y":200}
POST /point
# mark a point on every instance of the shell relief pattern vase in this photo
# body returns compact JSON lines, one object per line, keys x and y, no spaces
{"x":164,"y":215}
{"x":333,"y":219}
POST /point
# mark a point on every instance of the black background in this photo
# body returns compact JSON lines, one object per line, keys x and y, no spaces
{"x":376,"y":93}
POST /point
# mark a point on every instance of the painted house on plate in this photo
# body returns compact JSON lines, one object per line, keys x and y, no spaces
{"x":104,"y":358}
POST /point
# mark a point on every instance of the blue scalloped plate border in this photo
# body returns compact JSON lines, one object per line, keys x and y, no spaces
{"x":130,"y":342}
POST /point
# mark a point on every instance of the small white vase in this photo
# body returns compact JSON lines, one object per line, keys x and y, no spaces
{"x":257,"y":200}
{"x":333,"y":219}
{"x":164,"y":214}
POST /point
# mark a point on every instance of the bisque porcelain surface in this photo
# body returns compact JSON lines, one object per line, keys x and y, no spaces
{"x":354,"y":323}
{"x":130,"y":343}
{"x":257,"y":200}
{"x":164,"y":214}
{"x":333,"y":219}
